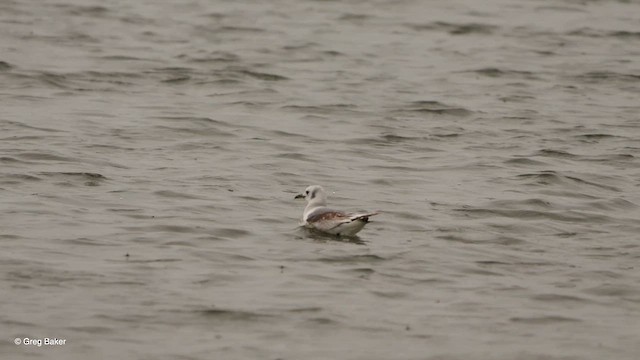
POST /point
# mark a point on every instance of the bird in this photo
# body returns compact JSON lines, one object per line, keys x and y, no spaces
{"x":318,"y":216}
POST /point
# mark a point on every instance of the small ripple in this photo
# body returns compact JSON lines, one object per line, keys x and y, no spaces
{"x":390,"y":294}
{"x":393,"y":140}
{"x":352,"y":17}
{"x":332,"y":53}
{"x":231,"y":233}
{"x":615,"y":290}
{"x":84,"y":10}
{"x":458,"y":239}
{"x":17,"y":178}
{"x":399,"y":168}
{"x":45,"y":157}
{"x":555,"y":154}
{"x":319,"y":236}
{"x":546,"y":177}
{"x":455,"y":29}
{"x":516,"y":98}
{"x":82,"y":175}
{"x":5,"y":66}
{"x":499,"y":73}
{"x":151,"y":261}
{"x":625,"y":34}
{"x":10,"y":236}
{"x":596,"y":33}
{"x":235,"y":29}
{"x":21,"y":125}
{"x":612,"y":204}
{"x":539,"y":320}
{"x":549,"y":177}
{"x":476,"y":271}
{"x":121,"y":58}
{"x":262,"y":75}
{"x":55,"y":80}
{"x":492,"y":262}
{"x":164,"y":228}
{"x":89,"y":178}
{"x":85,"y":80}
{"x":322,"y":321}
{"x":306,"y":310}
{"x":559,"y":298}
{"x":408,"y":215}
{"x":176,"y":195}
{"x":25,"y":138}
{"x":202,"y":121}
{"x":609,"y":158}
{"x":433,"y":107}
{"x":571,"y":216}
{"x":43,"y":276}
{"x":514,"y":204}
{"x":86,"y":241}
{"x":96,"y":330}
{"x":213,"y":57}
{"x":353,"y":259}
{"x":177,"y":79}
{"x":361,"y":272}
{"x":294,"y":156}
{"x":232,"y":315}
{"x":524,"y":161}
{"x":594,"y":137}
{"x":595,"y":77}
{"x":321,"y":109}
{"x":285,"y":134}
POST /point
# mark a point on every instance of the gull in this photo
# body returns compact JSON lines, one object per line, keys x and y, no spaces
{"x":318,"y":216}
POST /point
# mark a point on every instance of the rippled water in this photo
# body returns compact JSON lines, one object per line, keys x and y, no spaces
{"x":150,"y":152}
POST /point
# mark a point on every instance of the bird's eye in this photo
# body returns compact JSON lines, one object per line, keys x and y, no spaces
{"x":307,"y":192}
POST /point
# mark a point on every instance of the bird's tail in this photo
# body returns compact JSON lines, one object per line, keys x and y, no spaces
{"x":364,"y":216}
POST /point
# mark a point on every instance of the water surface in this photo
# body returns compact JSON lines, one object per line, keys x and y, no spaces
{"x":150,"y":153}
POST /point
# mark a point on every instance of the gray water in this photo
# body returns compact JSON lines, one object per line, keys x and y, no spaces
{"x":150,"y":152}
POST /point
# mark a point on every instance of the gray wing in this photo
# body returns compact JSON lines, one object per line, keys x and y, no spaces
{"x":326,"y":214}
{"x":333,"y":221}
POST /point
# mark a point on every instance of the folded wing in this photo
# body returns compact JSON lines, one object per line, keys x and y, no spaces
{"x":326,"y":219}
